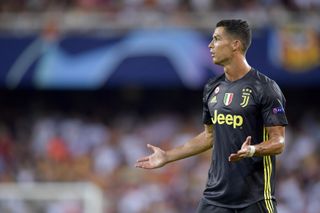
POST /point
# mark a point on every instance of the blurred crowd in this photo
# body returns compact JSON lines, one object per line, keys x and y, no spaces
{"x":101,"y":141}
{"x":159,"y":5}
{"x":29,"y":16}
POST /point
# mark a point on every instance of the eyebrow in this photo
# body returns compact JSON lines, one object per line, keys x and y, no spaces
{"x":216,"y":36}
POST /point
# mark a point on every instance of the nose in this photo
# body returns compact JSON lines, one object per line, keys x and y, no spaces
{"x":211,"y":44}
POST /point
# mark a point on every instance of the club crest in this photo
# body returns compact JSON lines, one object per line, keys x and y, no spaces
{"x":245,"y":97}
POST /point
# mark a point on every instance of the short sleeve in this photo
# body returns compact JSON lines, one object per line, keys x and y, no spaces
{"x":273,"y":105}
{"x":206,"y":116}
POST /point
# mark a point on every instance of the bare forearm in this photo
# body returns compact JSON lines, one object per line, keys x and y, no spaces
{"x":273,"y":146}
{"x":198,"y":144}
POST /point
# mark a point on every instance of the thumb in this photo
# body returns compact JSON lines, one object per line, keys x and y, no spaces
{"x":248,"y":140}
{"x":153,"y":148}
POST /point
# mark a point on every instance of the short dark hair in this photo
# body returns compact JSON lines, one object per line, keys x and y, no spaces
{"x":239,"y":29}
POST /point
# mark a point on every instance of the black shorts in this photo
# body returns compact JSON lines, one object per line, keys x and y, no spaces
{"x":259,"y":207}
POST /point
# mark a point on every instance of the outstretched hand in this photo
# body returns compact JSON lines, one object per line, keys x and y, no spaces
{"x":155,"y":160}
{"x":243,"y":152}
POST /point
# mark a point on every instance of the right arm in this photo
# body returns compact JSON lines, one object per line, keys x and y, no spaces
{"x":196,"y":145}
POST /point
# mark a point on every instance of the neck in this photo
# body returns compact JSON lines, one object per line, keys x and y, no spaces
{"x":238,"y":68}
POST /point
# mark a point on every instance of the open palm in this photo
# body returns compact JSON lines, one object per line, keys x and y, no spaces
{"x":155,"y":160}
{"x":243,"y":152}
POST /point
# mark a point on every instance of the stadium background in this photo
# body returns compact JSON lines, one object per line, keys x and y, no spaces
{"x":86,"y":84}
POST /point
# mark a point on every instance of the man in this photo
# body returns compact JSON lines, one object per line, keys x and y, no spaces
{"x":244,"y":123}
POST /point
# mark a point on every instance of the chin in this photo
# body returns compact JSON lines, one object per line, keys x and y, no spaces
{"x":216,"y":62}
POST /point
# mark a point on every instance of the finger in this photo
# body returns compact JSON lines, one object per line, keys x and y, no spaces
{"x":246,"y":143}
{"x":143,"y":159}
{"x":230,"y":157}
{"x":248,"y":140}
{"x":144,"y":165}
{"x":233,"y":157}
{"x":140,"y":164}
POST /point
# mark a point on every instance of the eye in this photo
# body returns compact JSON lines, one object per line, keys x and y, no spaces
{"x":215,"y":38}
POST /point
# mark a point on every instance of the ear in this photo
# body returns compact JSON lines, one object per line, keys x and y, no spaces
{"x":236,"y":45}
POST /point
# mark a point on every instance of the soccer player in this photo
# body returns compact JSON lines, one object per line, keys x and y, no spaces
{"x":244,"y":124}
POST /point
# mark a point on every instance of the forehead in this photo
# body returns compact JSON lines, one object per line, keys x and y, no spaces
{"x":219,"y":31}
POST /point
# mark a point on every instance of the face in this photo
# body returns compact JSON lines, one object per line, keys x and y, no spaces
{"x":221,"y":47}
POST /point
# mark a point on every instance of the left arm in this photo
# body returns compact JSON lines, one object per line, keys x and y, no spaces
{"x":273,"y":146}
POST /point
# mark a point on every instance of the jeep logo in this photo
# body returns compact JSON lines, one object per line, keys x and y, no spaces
{"x":231,"y":120}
